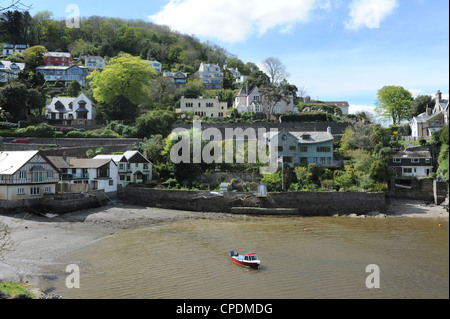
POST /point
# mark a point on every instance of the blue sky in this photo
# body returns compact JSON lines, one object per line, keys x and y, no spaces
{"x":339,"y":50}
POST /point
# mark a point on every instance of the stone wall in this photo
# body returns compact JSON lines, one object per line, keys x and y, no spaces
{"x":417,"y":189}
{"x":303,"y":203}
{"x":337,"y":128}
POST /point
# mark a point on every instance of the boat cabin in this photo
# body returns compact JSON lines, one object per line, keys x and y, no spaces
{"x":250,"y":257}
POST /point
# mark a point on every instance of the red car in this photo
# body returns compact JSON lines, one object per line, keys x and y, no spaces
{"x":20,"y":141}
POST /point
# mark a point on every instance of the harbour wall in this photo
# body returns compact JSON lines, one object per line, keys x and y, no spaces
{"x":295,"y":203}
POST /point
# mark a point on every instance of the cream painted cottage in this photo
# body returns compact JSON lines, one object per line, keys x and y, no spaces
{"x":26,"y":175}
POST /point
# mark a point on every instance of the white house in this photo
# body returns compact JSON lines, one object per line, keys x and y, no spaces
{"x":211,"y":76}
{"x":133,"y":167}
{"x":100,"y":174}
{"x":156,"y":65}
{"x":94,"y":62}
{"x":26,"y":175}
{"x":431,"y":120}
{"x":10,"y":70}
{"x":250,"y":100}
{"x":10,"y":49}
{"x":204,"y":107}
{"x":343,"y":105}
{"x":238,"y":77}
{"x":71,"y":111}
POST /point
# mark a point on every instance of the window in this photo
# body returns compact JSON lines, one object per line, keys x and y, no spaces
{"x":292,"y":148}
{"x":427,"y":160}
{"x":284,"y":137}
{"x":303,"y":161}
{"x":323,"y":160}
{"x":23,"y":174}
{"x":48,"y":190}
{"x":323,"y":149}
{"x":111,"y":182}
{"x":415,"y":160}
{"x":397,"y":160}
{"x":407,"y":170}
{"x":38,"y":177}
{"x":304,"y":149}
{"x":21,"y":191}
{"x":122,"y":177}
{"x":34,"y":191}
{"x":280,"y":148}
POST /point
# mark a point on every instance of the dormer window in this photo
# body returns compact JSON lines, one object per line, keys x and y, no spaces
{"x":59,"y":105}
{"x":284,"y":137}
{"x":307,"y":137}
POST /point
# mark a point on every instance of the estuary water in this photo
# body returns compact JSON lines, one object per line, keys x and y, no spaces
{"x":301,"y":258}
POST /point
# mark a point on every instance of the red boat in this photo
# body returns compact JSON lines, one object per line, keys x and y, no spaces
{"x":248,"y":260}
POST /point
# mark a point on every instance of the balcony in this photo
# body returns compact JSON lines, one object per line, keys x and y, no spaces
{"x":69,"y":177}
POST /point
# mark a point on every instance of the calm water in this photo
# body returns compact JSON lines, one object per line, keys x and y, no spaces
{"x":190,"y":260}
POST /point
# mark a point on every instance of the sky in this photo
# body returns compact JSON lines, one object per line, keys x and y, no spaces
{"x":338,"y":50}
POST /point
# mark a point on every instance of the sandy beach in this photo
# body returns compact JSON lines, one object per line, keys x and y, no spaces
{"x":36,"y":242}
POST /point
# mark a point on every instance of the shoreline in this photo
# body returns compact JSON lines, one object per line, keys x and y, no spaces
{"x":38,"y":242}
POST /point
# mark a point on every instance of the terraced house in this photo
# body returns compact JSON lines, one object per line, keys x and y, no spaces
{"x":133,"y":167}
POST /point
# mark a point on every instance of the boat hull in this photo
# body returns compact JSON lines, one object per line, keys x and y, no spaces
{"x":244,"y":263}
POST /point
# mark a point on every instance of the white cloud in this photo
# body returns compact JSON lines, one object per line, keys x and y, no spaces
{"x":369,"y":13}
{"x":234,"y":20}
{"x":353,"y":109}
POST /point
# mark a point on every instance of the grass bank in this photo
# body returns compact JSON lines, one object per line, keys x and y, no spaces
{"x":16,"y":288}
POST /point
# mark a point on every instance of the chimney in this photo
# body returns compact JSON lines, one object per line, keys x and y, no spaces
{"x":438,"y":96}
{"x":428,"y":111}
{"x":329,"y":130}
{"x":64,"y":157}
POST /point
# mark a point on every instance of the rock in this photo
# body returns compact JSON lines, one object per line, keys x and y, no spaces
{"x":53,"y":296}
{"x":21,"y":296}
{"x":4,"y":295}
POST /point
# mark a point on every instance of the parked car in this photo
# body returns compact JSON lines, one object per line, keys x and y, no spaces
{"x":20,"y":141}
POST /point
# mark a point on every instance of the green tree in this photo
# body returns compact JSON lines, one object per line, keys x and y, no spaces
{"x":73,"y":89}
{"x":273,"y":181}
{"x":379,"y":170}
{"x":393,"y":103}
{"x":420,"y":104}
{"x":126,"y":76}
{"x":120,"y":108}
{"x":155,"y":122}
{"x":274,"y":93}
{"x":34,"y":56}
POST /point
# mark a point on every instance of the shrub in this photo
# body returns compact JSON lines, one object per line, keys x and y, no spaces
{"x":74,"y":134}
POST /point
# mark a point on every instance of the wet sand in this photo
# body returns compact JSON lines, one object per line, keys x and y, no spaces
{"x":37,"y":242}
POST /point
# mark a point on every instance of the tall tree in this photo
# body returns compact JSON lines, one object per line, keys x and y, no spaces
{"x":273,"y":93}
{"x":393,"y":103}
{"x":275,"y":69}
{"x":126,"y":76}
{"x":34,"y":57}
